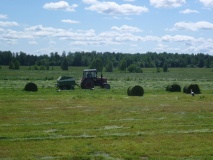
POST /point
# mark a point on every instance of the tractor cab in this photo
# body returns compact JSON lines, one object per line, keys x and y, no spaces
{"x":90,"y":79}
{"x":90,"y":73}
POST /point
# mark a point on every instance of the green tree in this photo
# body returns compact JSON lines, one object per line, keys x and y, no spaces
{"x":133,"y":68}
{"x":109,"y":67}
{"x":47,"y":66}
{"x":64,"y":64}
{"x":208,"y":62}
{"x":122,"y":65}
{"x":165,"y":67}
{"x":201,"y":62}
{"x":17,"y":65}
{"x":77,"y":59}
{"x":97,"y":63}
{"x":11,"y":65}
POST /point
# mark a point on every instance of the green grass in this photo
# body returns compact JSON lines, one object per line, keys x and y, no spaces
{"x":106,"y":124}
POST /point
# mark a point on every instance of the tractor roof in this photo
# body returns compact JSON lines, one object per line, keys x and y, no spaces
{"x":90,"y":70}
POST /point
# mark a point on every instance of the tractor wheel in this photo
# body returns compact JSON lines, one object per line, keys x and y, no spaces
{"x":87,"y":84}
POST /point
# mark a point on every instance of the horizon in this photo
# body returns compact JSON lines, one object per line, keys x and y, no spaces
{"x":105,"y":52}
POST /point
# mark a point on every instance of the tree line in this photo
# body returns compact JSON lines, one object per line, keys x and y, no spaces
{"x":107,"y":60}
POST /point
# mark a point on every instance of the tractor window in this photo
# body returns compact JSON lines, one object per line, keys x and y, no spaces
{"x":94,"y":74}
{"x":89,"y":75}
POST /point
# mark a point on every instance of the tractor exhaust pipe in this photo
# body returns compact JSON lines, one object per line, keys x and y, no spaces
{"x":101,"y":78}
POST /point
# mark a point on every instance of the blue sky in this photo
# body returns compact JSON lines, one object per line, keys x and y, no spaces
{"x":127,"y":26}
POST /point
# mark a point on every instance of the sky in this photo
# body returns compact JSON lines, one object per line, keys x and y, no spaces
{"x":126,"y":26}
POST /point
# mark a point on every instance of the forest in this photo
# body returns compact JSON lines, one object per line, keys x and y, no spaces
{"x":108,"y":60}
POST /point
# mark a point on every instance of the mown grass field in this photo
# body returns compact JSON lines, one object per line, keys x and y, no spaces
{"x":106,"y":124}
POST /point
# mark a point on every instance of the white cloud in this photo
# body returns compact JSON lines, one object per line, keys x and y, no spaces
{"x":60,"y":5}
{"x":127,"y":37}
{"x":10,"y":35}
{"x":69,"y":21}
{"x":8,"y":24}
{"x":126,"y":28}
{"x":3,"y":16}
{"x":113,"y":8}
{"x":116,"y":36}
{"x":194,"y":26}
{"x":160,"y":47}
{"x":40,"y":31}
{"x":167,"y":3}
{"x":187,"y":11}
{"x":87,"y":43}
{"x":90,"y":1}
{"x":207,"y":3}
{"x":201,"y":46}
{"x":177,"y":38}
{"x":56,"y":5}
{"x":186,"y":44}
{"x":150,"y":38}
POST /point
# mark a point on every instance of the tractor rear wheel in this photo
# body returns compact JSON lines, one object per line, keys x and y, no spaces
{"x":87,"y":84}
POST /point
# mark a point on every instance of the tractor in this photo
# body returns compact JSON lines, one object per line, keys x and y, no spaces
{"x":90,"y":79}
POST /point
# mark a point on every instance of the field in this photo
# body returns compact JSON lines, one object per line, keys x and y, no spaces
{"x":106,"y":124}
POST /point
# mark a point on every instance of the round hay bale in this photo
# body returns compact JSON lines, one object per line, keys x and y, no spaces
{"x":192,"y":87}
{"x":129,"y":91}
{"x":173,"y":88}
{"x":31,"y":87}
{"x":135,"y":91}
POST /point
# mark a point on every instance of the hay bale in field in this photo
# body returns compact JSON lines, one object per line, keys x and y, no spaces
{"x":173,"y":88}
{"x":135,"y":91}
{"x":129,"y":91}
{"x":192,"y":88}
{"x":31,"y":87}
